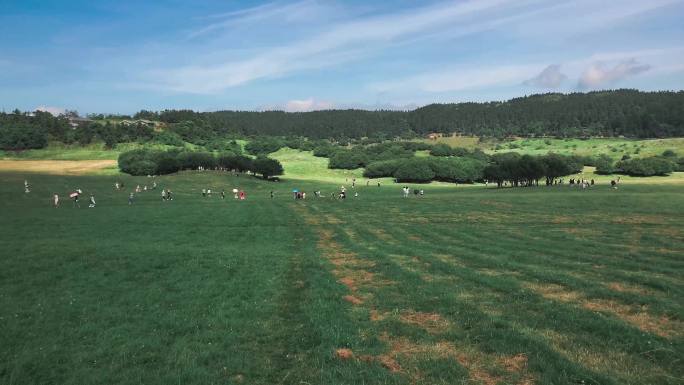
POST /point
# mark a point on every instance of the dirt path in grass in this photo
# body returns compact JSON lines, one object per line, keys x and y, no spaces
{"x":56,"y":167}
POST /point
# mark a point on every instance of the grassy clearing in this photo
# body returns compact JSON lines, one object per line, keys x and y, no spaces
{"x":61,"y":167}
{"x":59,"y":151}
{"x":479,"y":286}
{"x":302,"y":165}
{"x":613,"y":147}
{"x":470,"y":142}
{"x":95,"y":151}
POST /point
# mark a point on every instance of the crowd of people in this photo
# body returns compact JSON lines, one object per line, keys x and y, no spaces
{"x":167,"y":194}
{"x":341,"y":194}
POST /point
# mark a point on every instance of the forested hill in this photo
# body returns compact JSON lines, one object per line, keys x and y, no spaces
{"x":608,"y":113}
{"x":627,"y":113}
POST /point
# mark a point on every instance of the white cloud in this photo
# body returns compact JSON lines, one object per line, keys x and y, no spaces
{"x":550,"y":77}
{"x":53,"y":110}
{"x":599,"y":74}
{"x":592,"y":71}
{"x":304,"y":105}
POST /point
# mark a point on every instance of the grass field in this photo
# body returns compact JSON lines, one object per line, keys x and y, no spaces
{"x":462,"y":286}
{"x":95,"y":151}
{"x":613,"y":147}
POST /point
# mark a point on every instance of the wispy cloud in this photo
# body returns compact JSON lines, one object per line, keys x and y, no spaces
{"x":341,"y":41}
{"x":459,"y":79}
{"x":297,"y":12}
{"x":51,"y":109}
{"x":550,"y":77}
{"x":599,"y":74}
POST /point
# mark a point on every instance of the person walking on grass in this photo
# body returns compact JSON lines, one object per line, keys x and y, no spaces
{"x":55,"y":200}
{"x":92,"y":201}
{"x":169,"y":195}
{"x":74,"y":196}
{"x":131,"y":196}
{"x":26,"y":187}
{"x":163,"y":194}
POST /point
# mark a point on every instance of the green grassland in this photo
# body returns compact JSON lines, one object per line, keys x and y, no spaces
{"x":613,"y":147}
{"x":59,"y":151}
{"x":302,"y":165}
{"x":462,"y":286}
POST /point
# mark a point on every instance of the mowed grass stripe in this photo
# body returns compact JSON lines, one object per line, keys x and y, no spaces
{"x":415,"y":293}
{"x":386,"y":245}
{"x":483,"y":296}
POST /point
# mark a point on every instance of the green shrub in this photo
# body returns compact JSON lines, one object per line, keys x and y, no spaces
{"x":457,"y":169}
{"x":263,"y":146}
{"x":383,"y":168}
{"x":138,"y":162}
{"x":191,"y":160}
{"x":169,"y":138}
{"x":669,"y":154}
{"x":22,"y":138}
{"x":267,"y":167}
{"x":166,"y":163}
{"x":646,"y":166}
{"x":604,"y":165}
{"x":347,"y":159}
{"x":231,"y":161}
{"x":441,"y":149}
{"x":325,"y":151}
{"x":414,"y":170}
{"x":224,"y":146}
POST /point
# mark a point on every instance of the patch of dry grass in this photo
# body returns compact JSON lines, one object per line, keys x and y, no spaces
{"x":57,"y":167}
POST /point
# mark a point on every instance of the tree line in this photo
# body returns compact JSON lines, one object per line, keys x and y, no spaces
{"x":629,"y":113}
{"x":159,"y":162}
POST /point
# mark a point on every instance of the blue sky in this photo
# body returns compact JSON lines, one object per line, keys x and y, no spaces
{"x":122,"y":56}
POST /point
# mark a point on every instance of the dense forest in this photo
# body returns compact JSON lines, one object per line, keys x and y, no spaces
{"x":627,"y":113}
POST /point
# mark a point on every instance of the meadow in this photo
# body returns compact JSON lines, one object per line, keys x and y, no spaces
{"x":461,"y":286}
{"x":615,"y":148}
